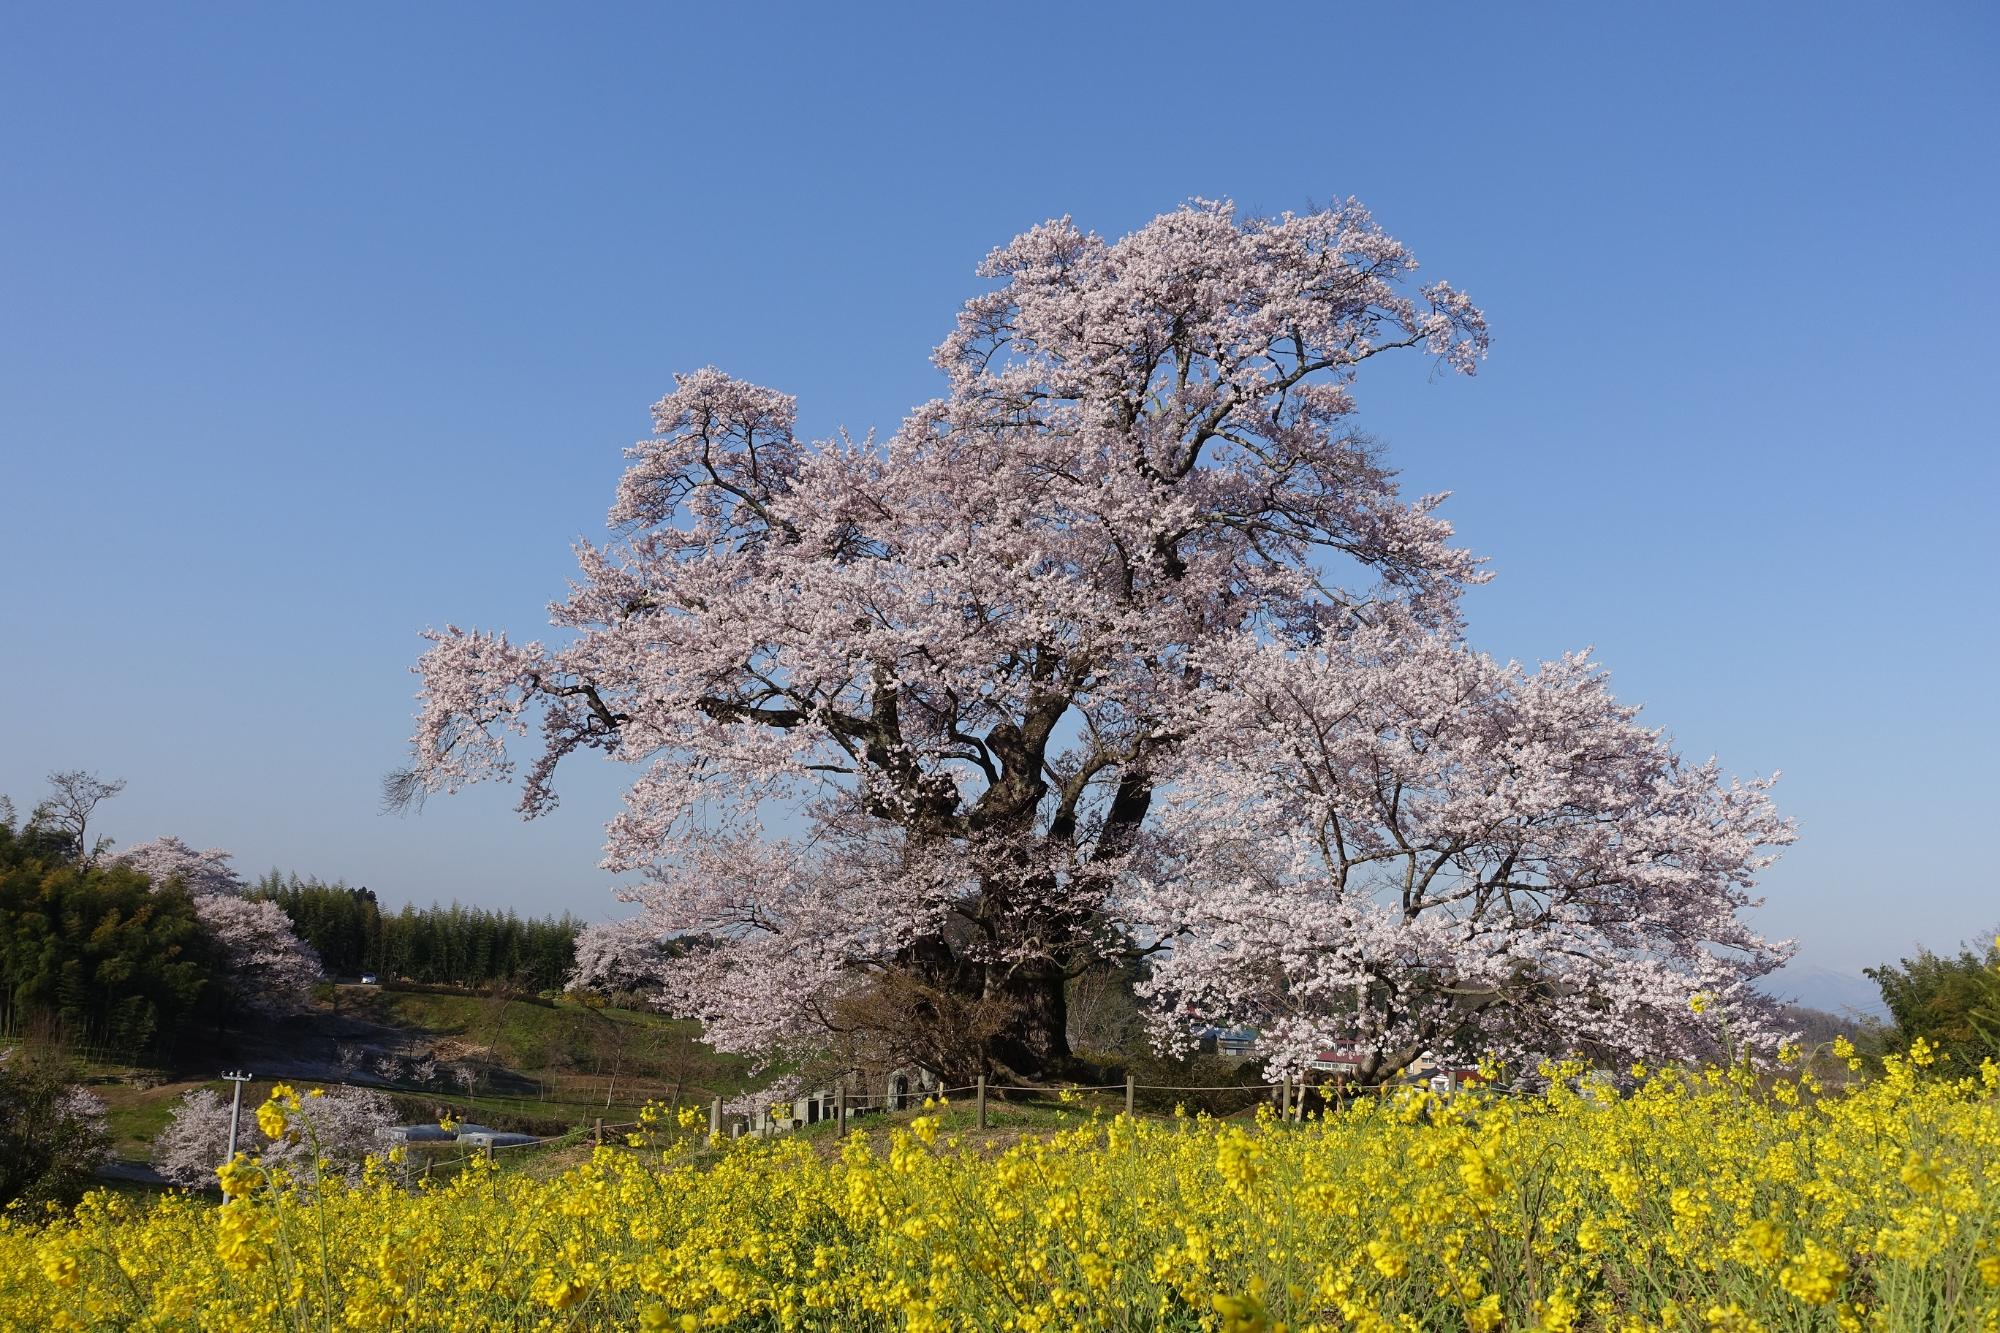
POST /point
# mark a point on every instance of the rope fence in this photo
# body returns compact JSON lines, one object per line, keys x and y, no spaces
{"x":838,"y":1106}
{"x":1291,"y":1096}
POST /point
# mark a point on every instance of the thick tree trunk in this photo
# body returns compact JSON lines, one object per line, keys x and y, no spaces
{"x":1035,"y":1042}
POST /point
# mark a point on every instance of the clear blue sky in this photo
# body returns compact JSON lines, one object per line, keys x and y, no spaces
{"x":318,"y":327}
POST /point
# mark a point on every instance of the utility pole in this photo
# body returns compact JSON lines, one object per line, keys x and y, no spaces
{"x":239,"y":1078}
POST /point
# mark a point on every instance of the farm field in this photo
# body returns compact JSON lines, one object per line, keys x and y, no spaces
{"x":1709,"y":1200}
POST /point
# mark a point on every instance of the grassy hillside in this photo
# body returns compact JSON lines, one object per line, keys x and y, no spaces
{"x":538,"y":1066}
{"x":560,"y":1051}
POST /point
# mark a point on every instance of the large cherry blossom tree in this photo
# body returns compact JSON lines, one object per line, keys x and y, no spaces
{"x":902,"y":709}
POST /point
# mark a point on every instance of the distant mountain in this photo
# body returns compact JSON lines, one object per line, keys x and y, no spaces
{"x":1827,"y":988}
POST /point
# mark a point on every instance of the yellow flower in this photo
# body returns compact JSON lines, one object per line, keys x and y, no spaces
{"x":239,"y":1176}
{"x":1699,"y":1002}
{"x":1815,"y":1276}
{"x":560,"y":1294}
{"x":1763,"y":1240}
{"x":239,"y":1236}
{"x":60,"y":1266}
{"x":1558,"y":1313}
{"x":1478,"y":1177}
{"x":1702,"y":1201}
{"x":1245,"y":1313}
{"x":1918,"y":1174}
{"x":1389,"y":1261}
{"x":1236,"y":1157}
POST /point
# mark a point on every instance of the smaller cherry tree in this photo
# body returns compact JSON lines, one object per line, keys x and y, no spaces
{"x":268,"y":969}
{"x":628,"y":955}
{"x":342,"y":1127}
{"x":1391,"y":845}
{"x":164,"y":860}
{"x":196,"y":1139}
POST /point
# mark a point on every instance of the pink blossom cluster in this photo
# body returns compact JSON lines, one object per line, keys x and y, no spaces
{"x":1391,"y":843}
{"x":341,"y":1128}
{"x":201,"y":873}
{"x":627,"y":955}
{"x":267,"y":968}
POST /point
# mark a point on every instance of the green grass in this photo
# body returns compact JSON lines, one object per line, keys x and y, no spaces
{"x":135,"y":1115}
{"x":573,"y":1054}
{"x":566,"y":1039}
{"x":546,"y":1068}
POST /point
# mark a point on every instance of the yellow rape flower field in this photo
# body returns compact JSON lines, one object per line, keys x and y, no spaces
{"x":1713,"y":1200}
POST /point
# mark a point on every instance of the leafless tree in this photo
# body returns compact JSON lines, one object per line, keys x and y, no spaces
{"x":610,"y":1046}
{"x":1104,"y":1016}
{"x":65,"y":812}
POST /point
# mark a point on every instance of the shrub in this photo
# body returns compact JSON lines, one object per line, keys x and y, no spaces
{"x":52,"y":1132}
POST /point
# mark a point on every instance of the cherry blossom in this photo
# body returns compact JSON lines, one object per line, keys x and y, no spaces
{"x":627,"y":955}
{"x":1388,"y":844}
{"x":901,"y":709}
{"x":336,"y":1130}
{"x":267,"y":968}
{"x":169,"y":858}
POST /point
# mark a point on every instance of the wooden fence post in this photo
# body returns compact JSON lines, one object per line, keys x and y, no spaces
{"x":597,"y":1131}
{"x":982,"y":1101}
{"x":840,"y":1110}
{"x":1284,"y":1099}
{"x":715,"y":1116}
{"x":1128,"y":1095}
